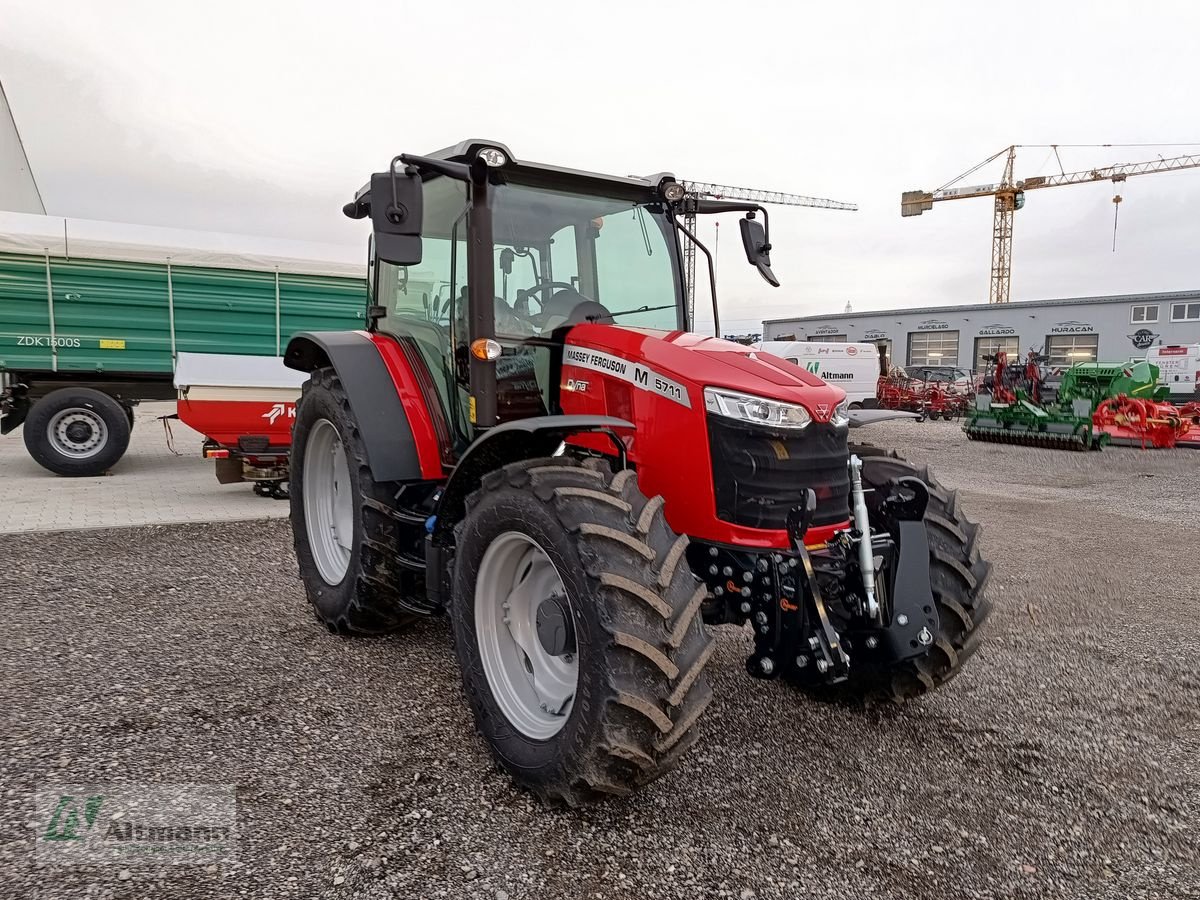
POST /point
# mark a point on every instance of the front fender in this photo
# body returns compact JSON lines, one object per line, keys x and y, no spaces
{"x":512,"y":441}
{"x":860,"y":417}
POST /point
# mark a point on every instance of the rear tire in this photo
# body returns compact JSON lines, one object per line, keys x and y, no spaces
{"x":346,"y":541}
{"x":638,"y":644}
{"x":957,"y":575}
{"x":77,"y":432}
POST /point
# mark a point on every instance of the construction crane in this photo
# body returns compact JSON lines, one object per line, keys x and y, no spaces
{"x":725,"y":192}
{"x":1010,"y":196}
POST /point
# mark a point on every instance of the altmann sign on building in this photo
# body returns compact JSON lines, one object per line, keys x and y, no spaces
{"x":1111,"y":329}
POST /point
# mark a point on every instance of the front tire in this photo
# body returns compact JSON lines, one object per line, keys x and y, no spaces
{"x":346,"y":541}
{"x":577,"y":626}
{"x":77,"y":432}
{"x":957,"y":576}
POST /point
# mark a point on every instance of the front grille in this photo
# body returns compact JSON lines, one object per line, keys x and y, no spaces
{"x":759,"y":474}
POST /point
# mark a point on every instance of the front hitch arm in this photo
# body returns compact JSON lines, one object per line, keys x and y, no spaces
{"x":825,"y":643}
{"x":914,"y":620}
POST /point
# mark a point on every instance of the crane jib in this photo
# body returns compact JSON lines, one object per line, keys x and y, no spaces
{"x":1009,"y":194}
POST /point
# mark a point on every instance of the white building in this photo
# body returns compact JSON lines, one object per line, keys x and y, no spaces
{"x":1080,"y":329}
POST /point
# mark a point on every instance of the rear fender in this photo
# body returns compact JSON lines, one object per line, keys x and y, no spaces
{"x":384,"y":395}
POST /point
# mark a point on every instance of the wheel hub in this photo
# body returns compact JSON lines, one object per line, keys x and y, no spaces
{"x":77,"y":432}
{"x":328,"y":502}
{"x":525,"y":630}
{"x":555,"y":631}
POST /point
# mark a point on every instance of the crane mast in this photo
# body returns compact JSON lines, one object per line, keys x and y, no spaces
{"x":698,"y":189}
{"x":1009,"y":196}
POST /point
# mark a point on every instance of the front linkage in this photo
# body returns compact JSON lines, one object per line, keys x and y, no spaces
{"x":866,"y":594}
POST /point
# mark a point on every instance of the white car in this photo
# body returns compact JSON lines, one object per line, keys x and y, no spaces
{"x":1178,"y":369}
{"x":852,"y":367}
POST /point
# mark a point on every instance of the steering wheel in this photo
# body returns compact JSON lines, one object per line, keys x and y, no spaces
{"x":546,"y":287}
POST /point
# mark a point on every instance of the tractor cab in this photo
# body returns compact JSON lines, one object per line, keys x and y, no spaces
{"x":482,"y":264}
{"x":565,"y":250}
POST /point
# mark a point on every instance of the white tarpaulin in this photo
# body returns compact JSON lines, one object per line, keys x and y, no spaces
{"x":235,"y":370}
{"x":89,"y":239}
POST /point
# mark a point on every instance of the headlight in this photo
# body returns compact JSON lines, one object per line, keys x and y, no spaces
{"x":841,"y":415}
{"x":755,"y":410}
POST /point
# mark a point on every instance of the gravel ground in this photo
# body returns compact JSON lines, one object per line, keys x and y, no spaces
{"x":1064,"y":762}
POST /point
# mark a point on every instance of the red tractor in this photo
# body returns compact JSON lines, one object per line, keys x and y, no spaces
{"x":529,"y":440}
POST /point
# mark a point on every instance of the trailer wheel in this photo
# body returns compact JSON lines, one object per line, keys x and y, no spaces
{"x":77,"y":432}
{"x":344,"y":536}
{"x":957,"y":575}
{"x":577,"y":626}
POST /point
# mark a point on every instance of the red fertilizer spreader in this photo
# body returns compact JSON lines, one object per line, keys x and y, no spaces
{"x":244,"y":406}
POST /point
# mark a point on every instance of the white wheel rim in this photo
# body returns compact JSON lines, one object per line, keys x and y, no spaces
{"x":328,"y":502}
{"x":77,"y":432}
{"x":534,"y":688}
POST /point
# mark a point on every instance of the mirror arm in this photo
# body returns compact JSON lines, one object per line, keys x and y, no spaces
{"x":703,"y":206}
{"x":712,"y":275}
{"x":457,"y":171}
{"x":766,"y":229}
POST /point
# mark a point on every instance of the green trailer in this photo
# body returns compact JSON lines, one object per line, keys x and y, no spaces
{"x":93,"y":317}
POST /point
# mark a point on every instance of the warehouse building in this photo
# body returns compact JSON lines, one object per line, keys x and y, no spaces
{"x":1079,"y":329}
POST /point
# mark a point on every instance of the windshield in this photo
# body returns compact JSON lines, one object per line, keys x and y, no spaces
{"x":565,"y":258}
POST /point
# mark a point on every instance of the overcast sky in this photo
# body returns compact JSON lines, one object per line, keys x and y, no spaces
{"x":265,"y":117}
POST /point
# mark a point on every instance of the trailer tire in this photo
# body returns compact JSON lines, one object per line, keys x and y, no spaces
{"x":77,"y":432}
{"x":360,"y":588}
{"x":626,"y":684}
{"x":958,"y":576}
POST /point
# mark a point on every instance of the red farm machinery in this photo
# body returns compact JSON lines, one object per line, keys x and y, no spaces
{"x":529,"y":440}
{"x":926,"y":393}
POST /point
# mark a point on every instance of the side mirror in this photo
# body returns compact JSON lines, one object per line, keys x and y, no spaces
{"x":758,"y":251}
{"x":396,"y":213}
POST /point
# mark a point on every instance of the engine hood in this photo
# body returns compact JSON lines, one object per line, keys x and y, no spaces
{"x":697,"y":362}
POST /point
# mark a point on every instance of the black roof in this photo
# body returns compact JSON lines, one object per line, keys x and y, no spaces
{"x":544,"y":175}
